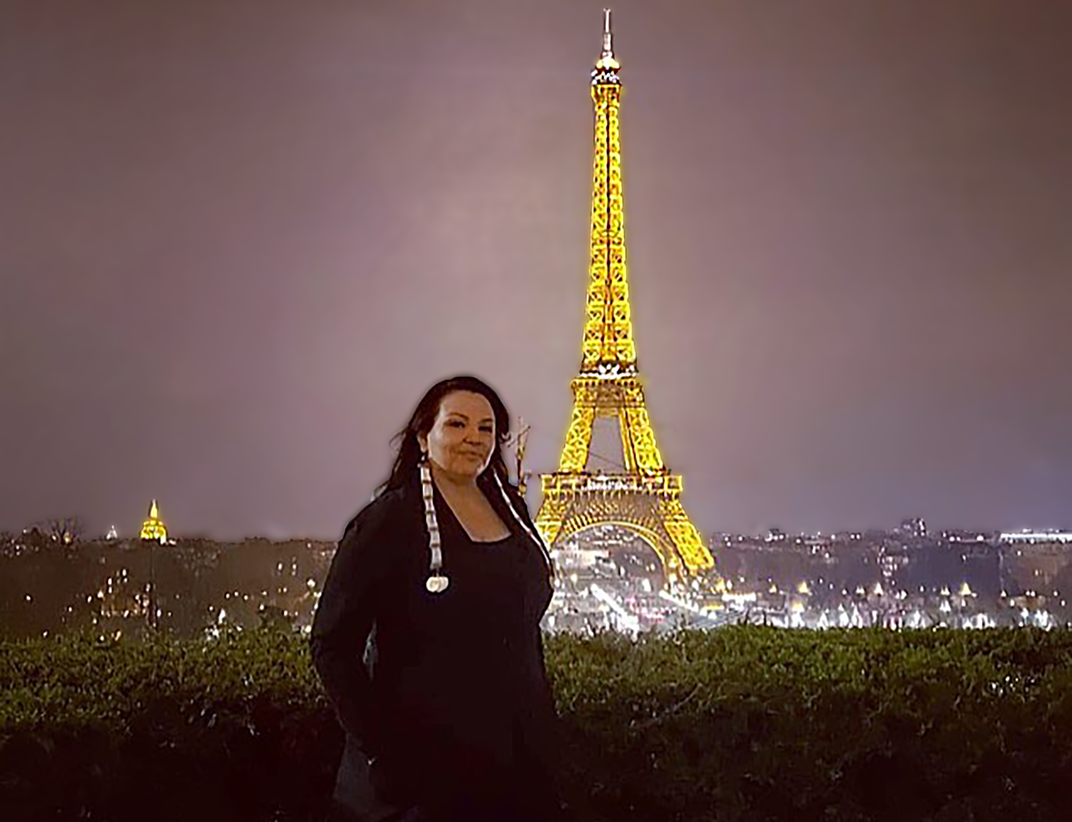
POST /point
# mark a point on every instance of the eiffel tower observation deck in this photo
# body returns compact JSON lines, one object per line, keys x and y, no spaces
{"x":644,"y":497}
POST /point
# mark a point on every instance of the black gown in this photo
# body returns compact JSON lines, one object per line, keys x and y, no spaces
{"x":453,"y":707}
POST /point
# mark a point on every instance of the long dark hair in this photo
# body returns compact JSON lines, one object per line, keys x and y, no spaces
{"x":424,"y":415}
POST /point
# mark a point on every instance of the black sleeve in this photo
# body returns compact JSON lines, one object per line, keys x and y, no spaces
{"x":344,"y":617}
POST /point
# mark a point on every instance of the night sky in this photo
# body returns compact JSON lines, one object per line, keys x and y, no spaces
{"x":239,"y":239}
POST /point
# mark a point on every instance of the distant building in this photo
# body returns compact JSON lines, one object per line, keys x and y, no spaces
{"x":1032,"y":560}
{"x":153,"y":528}
{"x":915,"y":527}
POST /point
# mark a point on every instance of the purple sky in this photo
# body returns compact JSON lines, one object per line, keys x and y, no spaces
{"x":239,"y":239}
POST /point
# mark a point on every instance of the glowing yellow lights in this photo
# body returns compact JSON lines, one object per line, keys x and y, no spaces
{"x":645,"y":497}
{"x":153,"y":528}
{"x":608,"y":330}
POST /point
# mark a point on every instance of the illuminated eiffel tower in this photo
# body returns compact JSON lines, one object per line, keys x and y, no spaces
{"x":645,"y":497}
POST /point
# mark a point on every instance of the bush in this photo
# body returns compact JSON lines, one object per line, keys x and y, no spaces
{"x":740,"y":725}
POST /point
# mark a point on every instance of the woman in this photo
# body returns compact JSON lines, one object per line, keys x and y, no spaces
{"x":442,"y":580}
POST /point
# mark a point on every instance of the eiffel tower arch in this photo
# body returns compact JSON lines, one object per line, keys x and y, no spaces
{"x":634,"y":510}
{"x":644,"y":497}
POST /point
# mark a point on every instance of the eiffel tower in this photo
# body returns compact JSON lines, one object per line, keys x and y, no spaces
{"x":645,"y":497}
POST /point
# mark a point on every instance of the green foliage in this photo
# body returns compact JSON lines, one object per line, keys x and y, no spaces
{"x":738,"y":725}
{"x":235,"y":728}
{"x":751,"y":723}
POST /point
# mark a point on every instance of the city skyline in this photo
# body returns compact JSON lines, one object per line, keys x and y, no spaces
{"x":241,"y":244}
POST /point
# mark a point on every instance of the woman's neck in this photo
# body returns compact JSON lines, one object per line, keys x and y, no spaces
{"x":452,"y":482}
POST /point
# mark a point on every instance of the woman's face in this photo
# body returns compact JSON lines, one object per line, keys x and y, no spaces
{"x":462,"y":436}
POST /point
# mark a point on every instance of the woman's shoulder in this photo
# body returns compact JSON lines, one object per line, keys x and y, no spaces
{"x":385,"y":510}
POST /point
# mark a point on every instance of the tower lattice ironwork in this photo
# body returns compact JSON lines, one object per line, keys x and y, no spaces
{"x":644,"y":497}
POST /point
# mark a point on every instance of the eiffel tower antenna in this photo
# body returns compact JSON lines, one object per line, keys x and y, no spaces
{"x":643,"y":496}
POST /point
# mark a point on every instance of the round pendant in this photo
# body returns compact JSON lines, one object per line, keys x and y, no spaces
{"x":437,"y":584}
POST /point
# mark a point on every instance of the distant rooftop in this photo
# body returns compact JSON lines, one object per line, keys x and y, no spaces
{"x":1028,"y":535}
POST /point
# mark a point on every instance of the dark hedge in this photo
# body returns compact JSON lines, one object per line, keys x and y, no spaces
{"x":736,"y":725}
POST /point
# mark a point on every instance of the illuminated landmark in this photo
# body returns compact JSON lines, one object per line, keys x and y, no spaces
{"x":153,"y":528}
{"x":644,"y":497}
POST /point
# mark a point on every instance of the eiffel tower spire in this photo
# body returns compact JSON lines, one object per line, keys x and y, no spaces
{"x":608,"y":37}
{"x":608,"y":331}
{"x":645,"y":497}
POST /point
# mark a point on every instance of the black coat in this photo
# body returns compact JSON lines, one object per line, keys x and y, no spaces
{"x":451,"y":697}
